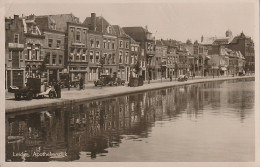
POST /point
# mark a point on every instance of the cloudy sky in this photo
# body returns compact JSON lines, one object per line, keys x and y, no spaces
{"x":180,"y":20}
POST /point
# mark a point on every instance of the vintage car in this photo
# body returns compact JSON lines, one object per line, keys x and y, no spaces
{"x":34,"y":88}
{"x":104,"y":80}
{"x":108,"y":80}
{"x":182,"y":78}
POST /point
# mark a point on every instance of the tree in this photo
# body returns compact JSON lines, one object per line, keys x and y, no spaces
{"x":188,"y":42}
{"x":43,"y":67}
{"x":137,"y":67}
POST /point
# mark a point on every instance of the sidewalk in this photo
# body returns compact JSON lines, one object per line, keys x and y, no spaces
{"x":91,"y":92}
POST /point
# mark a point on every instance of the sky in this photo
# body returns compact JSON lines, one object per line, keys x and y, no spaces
{"x":169,"y":19}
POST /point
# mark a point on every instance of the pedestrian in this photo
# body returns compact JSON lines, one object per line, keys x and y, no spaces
{"x":81,"y":83}
{"x":58,"y":89}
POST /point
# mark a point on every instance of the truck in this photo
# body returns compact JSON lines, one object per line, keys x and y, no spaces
{"x":33,"y":88}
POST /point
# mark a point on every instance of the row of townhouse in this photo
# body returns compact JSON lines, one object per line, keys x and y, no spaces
{"x":55,"y":47}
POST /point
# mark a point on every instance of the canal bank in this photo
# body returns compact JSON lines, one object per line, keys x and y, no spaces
{"x":94,"y":93}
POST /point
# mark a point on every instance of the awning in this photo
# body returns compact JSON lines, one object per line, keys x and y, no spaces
{"x":208,"y":57}
{"x":223,"y":68}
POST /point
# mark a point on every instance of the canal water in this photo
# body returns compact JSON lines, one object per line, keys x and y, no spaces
{"x":202,"y":122}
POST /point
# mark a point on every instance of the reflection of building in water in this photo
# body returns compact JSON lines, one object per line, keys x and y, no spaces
{"x":92,"y":127}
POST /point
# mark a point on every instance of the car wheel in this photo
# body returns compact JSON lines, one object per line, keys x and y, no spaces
{"x":29,"y":95}
{"x":51,"y":94}
{"x":17,"y":96}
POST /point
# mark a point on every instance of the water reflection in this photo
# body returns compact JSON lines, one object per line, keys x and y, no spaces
{"x":90,"y":129}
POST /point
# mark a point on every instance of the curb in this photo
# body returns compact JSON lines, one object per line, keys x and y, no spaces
{"x":73,"y":101}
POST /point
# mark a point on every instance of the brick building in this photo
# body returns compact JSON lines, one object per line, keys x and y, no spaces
{"x":53,"y":47}
{"x":245,"y":45}
{"x":147,"y":44}
{"x":123,"y":52}
{"x":76,"y":60}
{"x":14,"y":52}
{"x":33,"y":52}
{"x":108,"y":45}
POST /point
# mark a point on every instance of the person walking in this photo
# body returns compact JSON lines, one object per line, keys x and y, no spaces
{"x":81,"y":83}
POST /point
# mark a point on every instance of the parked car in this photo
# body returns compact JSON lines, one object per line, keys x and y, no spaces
{"x":241,"y":74}
{"x":182,"y":78}
{"x":104,"y":80}
{"x":33,"y":88}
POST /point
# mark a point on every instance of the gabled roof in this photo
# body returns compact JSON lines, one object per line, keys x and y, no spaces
{"x":241,"y":36}
{"x":61,"y":20}
{"x":119,"y":31}
{"x":137,"y":33}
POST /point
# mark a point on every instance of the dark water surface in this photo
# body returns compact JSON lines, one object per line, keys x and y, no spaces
{"x":201,"y":122}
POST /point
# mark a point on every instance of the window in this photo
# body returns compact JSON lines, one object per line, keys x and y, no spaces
{"x":105,"y":44}
{"x":54,"y":59}
{"x":113,"y":59}
{"x":126,"y":45}
{"x":120,"y":44}
{"x":71,"y":29}
{"x":105,"y":58}
{"x":77,"y":57}
{"x":60,"y":59}
{"x":120,"y":57}
{"x":132,"y":48}
{"x":84,"y":31}
{"x":91,"y":53}
{"x":21,"y":55}
{"x":78,"y":35}
{"x":109,"y":59}
{"x":37,"y":52}
{"x":16,"y":38}
{"x":58,"y":44}
{"x":50,"y":43}
{"x":97,"y":57}
{"x":126,"y":57}
{"x":83,"y":57}
{"x":132,"y":59}
{"x":113,"y":44}
{"x":10,"y":55}
{"x":97,"y":44}
{"x":108,"y":44}
{"x":92,"y":43}
{"x":47,"y":58}
{"x":29,"y":52}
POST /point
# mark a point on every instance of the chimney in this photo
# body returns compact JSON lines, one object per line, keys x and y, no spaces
{"x":16,"y":18}
{"x":93,"y":21}
{"x":202,"y":38}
